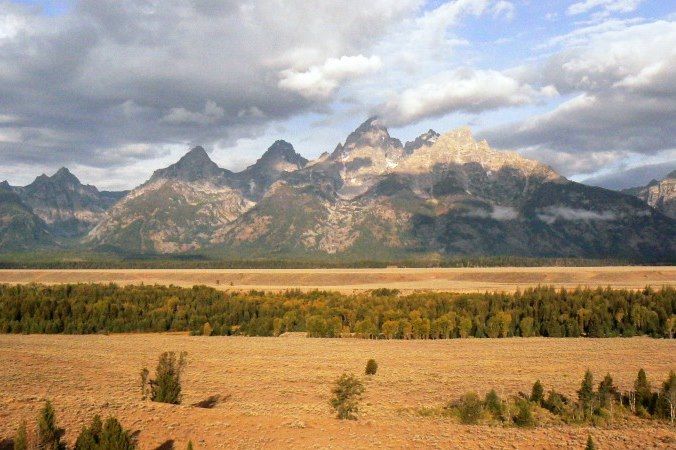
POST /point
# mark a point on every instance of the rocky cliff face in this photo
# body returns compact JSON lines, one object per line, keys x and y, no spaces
{"x":20,"y":228}
{"x":68,"y":207}
{"x":661,"y":195}
{"x":182,"y":207}
{"x":447,"y":195}
{"x":371,"y":198}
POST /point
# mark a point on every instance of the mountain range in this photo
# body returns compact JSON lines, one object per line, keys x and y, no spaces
{"x":372,"y":197}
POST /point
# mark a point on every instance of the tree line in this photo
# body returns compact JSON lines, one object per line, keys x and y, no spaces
{"x":378,"y":314}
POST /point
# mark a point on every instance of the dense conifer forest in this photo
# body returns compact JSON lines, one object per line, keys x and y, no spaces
{"x":383,"y":313}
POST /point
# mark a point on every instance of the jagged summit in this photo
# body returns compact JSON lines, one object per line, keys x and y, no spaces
{"x":281,"y":150}
{"x":425,"y":139}
{"x":371,"y":133}
{"x":194,"y":165}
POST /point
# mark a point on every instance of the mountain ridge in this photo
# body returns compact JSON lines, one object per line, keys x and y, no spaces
{"x":440,"y":195}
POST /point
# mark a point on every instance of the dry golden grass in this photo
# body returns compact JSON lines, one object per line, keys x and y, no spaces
{"x":276,"y":390}
{"x":348,"y":280}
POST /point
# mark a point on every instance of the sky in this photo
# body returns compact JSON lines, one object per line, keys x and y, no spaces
{"x":114,"y":89}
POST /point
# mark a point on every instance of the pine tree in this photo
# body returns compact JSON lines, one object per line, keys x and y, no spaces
{"x":590,"y":444}
{"x":49,"y":435}
{"x":346,"y":395}
{"x":586,"y":393}
{"x":21,"y":438}
{"x":537,"y":393}
{"x":114,"y":437}
{"x":607,"y":391}
{"x":166,"y":387}
{"x":642,"y":389}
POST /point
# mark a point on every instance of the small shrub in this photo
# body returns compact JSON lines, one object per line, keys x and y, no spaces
{"x":537,"y":394}
{"x":556,"y":403}
{"x":470,"y":408}
{"x":21,"y":438}
{"x":49,"y":435}
{"x":524,"y":415}
{"x":590,"y":444}
{"x":371,"y":367}
{"x":166,"y":387}
{"x":110,"y":436}
{"x":346,"y":395}
{"x":493,"y":404}
{"x":207,"y":329}
{"x":189,"y":447}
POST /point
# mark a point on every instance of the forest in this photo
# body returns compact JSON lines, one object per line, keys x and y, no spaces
{"x":378,"y":314}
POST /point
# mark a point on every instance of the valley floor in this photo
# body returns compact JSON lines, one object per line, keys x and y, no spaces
{"x":275,"y":391}
{"x":506,"y":279}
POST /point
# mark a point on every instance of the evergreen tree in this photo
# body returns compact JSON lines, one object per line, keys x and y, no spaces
{"x":537,"y":394}
{"x":586,"y":393}
{"x":114,"y":437}
{"x":21,"y":438}
{"x":493,"y":404}
{"x":590,"y":444}
{"x":346,"y":395}
{"x":607,"y":391}
{"x":49,"y":435}
{"x":642,"y":389}
{"x":166,"y":387}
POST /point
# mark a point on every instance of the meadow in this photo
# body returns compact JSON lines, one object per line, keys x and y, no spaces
{"x":274,"y":392}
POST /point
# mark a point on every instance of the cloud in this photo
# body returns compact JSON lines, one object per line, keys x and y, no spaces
{"x":621,"y":89}
{"x":606,"y":7}
{"x":319,"y":82}
{"x":106,"y":74}
{"x":636,"y":176}
{"x":553,"y":213}
{"x":212,"y":113}
{"x":462,"y":90}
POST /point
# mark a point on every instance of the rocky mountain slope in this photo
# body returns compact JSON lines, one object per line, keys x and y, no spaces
{"x":661,"y":195}
{"x":370,"y":198}
{"x":68,"y":207}
{"x":445,"y":195}
{"x":181,"y":207}
{"x":20,"y":228}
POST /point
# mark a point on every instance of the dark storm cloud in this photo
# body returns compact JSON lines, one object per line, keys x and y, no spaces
{"x":108,"y":75}
{"x":638,"y":176}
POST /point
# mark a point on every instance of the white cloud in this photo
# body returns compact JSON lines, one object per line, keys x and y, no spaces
{"x":552,"y":213}
{"x":620,"y":79}
{"x":606,"y":7}
{"x":461,"y":90}
{"x":319,"y":82}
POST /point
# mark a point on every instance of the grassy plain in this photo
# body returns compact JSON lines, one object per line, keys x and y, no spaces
{"x":505,"y":279}
{"x":275,"y":391}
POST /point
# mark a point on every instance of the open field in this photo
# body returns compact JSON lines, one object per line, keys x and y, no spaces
{"x":506,"y":279}
{"x":276,"y":390}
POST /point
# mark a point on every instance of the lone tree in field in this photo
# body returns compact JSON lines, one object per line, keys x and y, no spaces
{"x":371,"y":367}
{"x":346,"y":395}
{"x":166,"y":387}
{"x":49,"y":435}
{"x":590,"y":444}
